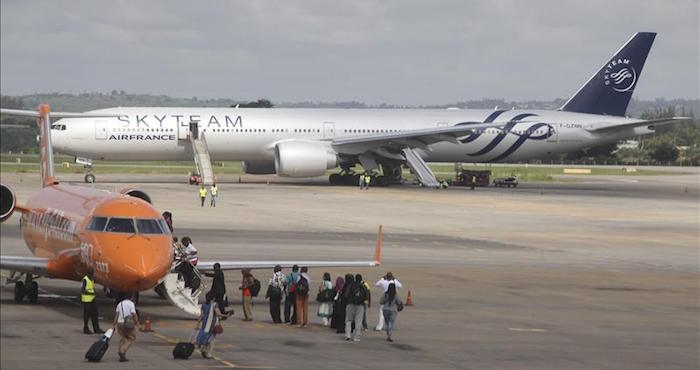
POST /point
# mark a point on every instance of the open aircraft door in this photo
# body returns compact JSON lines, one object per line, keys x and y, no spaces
{"x":328,"y":130}
{"x":183,"y":130}
{"x":553,"y":135}
{"x":101,"y":129}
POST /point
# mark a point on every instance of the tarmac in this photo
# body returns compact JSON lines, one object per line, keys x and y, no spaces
{"x":601,"y":273}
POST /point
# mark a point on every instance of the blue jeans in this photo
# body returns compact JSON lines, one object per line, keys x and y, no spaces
{"x":389,"y":319}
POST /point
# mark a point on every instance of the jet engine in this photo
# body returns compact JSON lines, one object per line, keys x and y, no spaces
{"x":7,"y":202}
{"x":259,"y":167}
{"x":136,"y":193}
{"x":304,"y":158}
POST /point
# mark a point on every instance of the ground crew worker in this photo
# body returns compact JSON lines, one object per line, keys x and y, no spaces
{"x":362,"y":181}
{"x":203,"y":194}
{"x":473,"y":182}
{"x":368,"y":178}
{"x":214,"y":192}
{"x":87,"y":297}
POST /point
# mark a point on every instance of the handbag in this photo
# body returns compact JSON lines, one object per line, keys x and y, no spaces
{"x":218,"y":329}
{"x":399,"y":305}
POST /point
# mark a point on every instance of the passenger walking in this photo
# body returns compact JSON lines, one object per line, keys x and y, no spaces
{"x":126,"y":320}
{"x":338,"y":318}
{"x":88,"y":298}
{"x":355,"y":295}
{"x":368,"y":300}
{"x":214,"y":193}
{"x":302,"y":295}
{"x":246,"y":283}
{"x":391,"y":304}
{"x":290,"y":299}
{"x":218,"y":289}
{"x":202,"y":194}
{"x":274,"y":293}
{"x":384,"y":284}
{"x":209,"y":317}
{"x":325,"y":291}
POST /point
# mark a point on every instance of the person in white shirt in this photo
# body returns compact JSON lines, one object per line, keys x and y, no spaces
{"x":384,"y":284}
{"x":190,"y":251}
{"x":126,"y":320}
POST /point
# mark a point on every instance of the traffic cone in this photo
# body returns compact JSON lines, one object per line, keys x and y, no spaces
{"x":409,"y":299}
{"x":147,"y":325}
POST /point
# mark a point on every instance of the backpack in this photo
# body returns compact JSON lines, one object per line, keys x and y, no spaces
{"x":357,"y":294}
{"x":129,"y":321}
{"x":255,"y":288}
{"x":302,"y":286}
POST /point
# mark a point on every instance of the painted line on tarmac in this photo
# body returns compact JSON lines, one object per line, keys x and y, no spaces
{"x":528,"y":330}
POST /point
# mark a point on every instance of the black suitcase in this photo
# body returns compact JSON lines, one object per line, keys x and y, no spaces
{"x":183,"y":350}
{"x":97,"y":350}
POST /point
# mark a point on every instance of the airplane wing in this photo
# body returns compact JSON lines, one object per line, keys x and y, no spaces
{"x":31,"y":265}
{"x":208,"y":266}
{"x":601,"y":128}
{"x":34,"y":114}
{"x":412,"y":138}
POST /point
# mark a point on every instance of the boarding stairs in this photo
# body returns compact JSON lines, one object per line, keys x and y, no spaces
{"x":424,"y":174}
{"x":172,"y":287}
{"x":202,"y":158}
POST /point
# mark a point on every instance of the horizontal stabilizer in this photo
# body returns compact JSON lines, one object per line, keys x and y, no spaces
{"x":613,"y":127}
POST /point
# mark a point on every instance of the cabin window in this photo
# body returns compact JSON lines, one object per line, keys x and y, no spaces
{"x":97,"y":224}
{"x":120,"y":225}
{"x":148,"y":226}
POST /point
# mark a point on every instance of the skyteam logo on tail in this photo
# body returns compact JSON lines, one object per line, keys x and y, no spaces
{"x":620,"y":75}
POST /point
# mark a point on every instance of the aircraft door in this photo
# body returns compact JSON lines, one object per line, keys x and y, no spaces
{"x":183,"y":131}
{"x":328,"y":130}
{"x":553,"y":136}
{"x":101,"y":130}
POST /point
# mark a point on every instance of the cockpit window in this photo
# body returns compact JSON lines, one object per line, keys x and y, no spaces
{"x":97,"y":224}
{"x":164,"y":225}
{"x":120,"y":225}
{"x":148,"y":226}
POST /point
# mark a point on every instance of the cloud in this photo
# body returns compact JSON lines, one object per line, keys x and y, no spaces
{"x":403,"y":52}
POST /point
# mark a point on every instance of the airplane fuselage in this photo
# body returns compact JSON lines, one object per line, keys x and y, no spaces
{"x":251,"y":134}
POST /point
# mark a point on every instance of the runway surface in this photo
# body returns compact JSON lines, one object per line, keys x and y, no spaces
{"x":601,"y":273}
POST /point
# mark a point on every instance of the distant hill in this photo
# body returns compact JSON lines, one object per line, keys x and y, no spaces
{"x":90,"y":101}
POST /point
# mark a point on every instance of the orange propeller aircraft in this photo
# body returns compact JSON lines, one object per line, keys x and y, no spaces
{"x":120,"y":235}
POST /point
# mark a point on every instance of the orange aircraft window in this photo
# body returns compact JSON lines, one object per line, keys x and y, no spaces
{"x":97,"y":224}
{"x":146,"y":226}
{"x":120,"y":225}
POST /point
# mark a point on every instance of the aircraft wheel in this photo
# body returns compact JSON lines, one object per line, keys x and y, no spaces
{"x":33,"y":292}
{"x":19,"y":291}
{"x":334,"y":179}
{"x":89,"y":178}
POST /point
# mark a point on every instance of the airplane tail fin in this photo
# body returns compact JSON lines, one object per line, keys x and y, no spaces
{"x":610,"y":89}
{"x":45,"y":146}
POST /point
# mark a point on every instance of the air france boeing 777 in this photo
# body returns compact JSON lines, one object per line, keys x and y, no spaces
{"x":308,"y":142}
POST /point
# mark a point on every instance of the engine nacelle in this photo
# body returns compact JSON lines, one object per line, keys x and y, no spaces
{"x":304,"y":158}
{"x":136,"y":193}
{"x":259,"y":167}
{"x":8,"y":201}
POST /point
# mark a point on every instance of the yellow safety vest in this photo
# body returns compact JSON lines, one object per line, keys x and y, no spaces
{"x":367,"y":179}
{"x":214,"y":190}
{"x":203,"y":192}
{"x":89,"y":295}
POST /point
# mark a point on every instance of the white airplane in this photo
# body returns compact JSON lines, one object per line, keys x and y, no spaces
{"x":308,"y":142}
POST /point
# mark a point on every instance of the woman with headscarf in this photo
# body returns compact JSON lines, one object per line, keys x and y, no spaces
{"x":274,"y":293}
{"x":208,"y":318}
{"x":218,"y":288}
{"x":339,"y":283}
{"x":325,"y":310}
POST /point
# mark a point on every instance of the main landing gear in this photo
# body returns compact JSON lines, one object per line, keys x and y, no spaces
{"x":347,"y":177}
{"x":27,"y":288}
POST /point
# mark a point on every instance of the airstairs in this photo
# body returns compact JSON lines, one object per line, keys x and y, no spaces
{"x":424,"y":174}
{"x":173,"y":288}
{"x":202,"y":158}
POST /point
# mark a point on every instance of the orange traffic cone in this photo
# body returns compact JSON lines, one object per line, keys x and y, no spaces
{"x":409,"y":299}
{"x":147,"y":324}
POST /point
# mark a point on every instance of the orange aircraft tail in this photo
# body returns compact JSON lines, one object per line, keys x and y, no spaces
{"x":46,"y":148}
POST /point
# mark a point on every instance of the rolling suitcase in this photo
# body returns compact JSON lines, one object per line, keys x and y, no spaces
{"x":97,"y":350}
{"x":183,"y":350}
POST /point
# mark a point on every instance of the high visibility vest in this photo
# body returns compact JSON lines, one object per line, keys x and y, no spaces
{"x":214,"y":189}
{"x":89,"y":295}
{"x":203,"y":192}
{"x":367,"y":179}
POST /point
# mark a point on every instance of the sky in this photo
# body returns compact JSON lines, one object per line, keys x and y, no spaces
{"x":396,"y":52}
